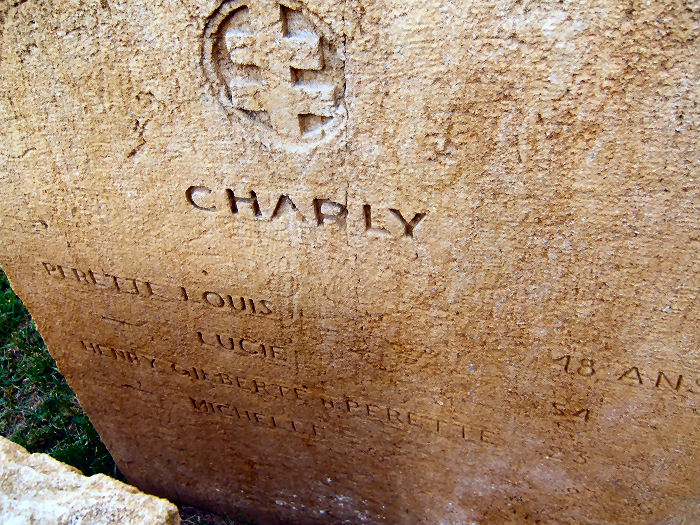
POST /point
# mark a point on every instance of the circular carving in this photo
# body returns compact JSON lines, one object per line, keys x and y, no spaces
{"x":276,"y":67}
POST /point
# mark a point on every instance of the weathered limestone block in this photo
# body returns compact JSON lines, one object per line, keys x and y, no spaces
{"x":35,"y":488}
{"x":383,"y":261}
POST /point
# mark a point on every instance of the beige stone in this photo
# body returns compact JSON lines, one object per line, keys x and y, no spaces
{"x":35,"y":488}
{"x":376,"y":261}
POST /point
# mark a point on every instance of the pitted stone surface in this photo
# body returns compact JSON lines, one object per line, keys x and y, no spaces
{"x":272,"y":64}
{"x":370,"y":261}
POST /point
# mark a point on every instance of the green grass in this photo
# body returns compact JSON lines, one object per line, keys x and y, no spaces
{"x":38,"y":410}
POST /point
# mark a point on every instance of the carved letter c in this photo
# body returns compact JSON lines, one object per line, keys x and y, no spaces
{"x":190,"y":193}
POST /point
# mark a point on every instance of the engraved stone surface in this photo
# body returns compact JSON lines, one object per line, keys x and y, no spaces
{"x":268,"y":61}
{"x":35,"y":488}
{"x":367,"y":261}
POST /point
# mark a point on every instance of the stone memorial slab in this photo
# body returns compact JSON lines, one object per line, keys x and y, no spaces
{"x":367,"y":261}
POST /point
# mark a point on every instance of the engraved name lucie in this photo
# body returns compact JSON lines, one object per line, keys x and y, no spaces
{"x":246,"y":346}
{"x":321,"y":211}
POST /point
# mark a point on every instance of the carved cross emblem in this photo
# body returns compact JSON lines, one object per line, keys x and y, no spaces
{"x":277,"y":68}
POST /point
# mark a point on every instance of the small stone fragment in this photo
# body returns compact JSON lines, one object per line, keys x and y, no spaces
{"x":37,"y":489}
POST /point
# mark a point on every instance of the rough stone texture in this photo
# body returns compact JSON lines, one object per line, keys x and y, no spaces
{"x":465,"y":288}
{"x":35,"y":488}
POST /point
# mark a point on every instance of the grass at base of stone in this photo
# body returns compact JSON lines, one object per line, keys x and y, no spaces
{"x":39,"y":411}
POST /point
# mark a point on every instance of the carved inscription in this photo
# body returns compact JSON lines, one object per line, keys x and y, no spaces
{"x":246,"y":347}
{"x":126,"y":356}
{"x":568,"y":412}
{"x":149,"y":290}
{"x":317,"y":213}
{"x":658,"y":379}
{"x":253,"y":417}
{"x":399,"y":418}
{"x":665,"y":380}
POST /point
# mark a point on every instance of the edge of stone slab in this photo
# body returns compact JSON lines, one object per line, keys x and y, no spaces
{"x":17,"y":463}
